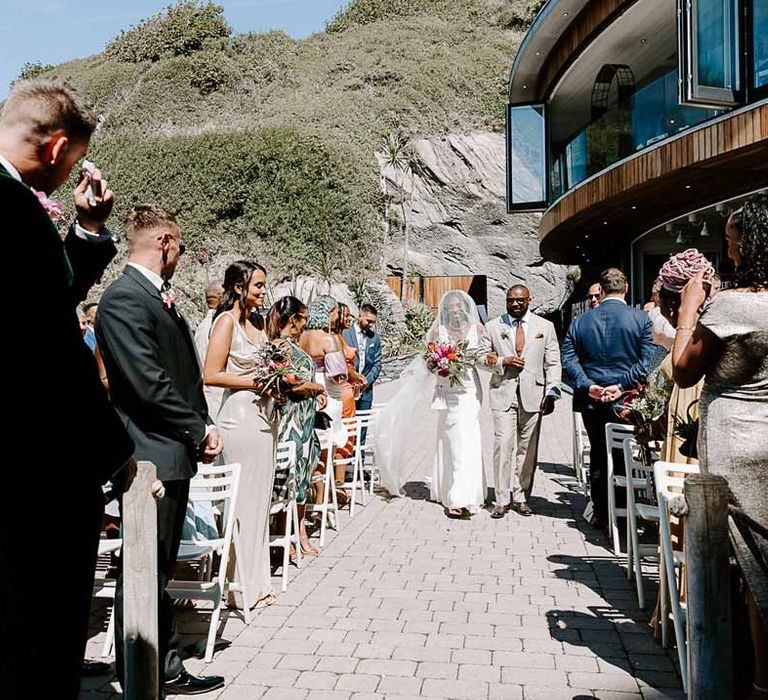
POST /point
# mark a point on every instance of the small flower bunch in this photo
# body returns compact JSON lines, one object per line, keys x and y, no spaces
{"x":449,"y":360}
{"x":645,"y":405}
{"x":53,"y":207}
{"x":275,"y":372}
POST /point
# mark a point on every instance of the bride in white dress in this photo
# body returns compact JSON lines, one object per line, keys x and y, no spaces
{"x":431,"y":420}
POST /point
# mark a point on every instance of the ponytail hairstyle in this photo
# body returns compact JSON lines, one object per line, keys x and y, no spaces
{"x":751,"y":221}
{"x":282,"y":311}
{"x":238,"y":274}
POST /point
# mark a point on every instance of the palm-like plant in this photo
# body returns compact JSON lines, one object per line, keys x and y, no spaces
{"x":396,"y":153}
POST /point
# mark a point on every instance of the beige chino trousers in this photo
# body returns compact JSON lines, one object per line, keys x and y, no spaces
{"x":514,"y":433}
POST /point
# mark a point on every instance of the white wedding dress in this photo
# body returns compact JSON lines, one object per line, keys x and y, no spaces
{"x":457,"y":474}
{"x":431,"y":426}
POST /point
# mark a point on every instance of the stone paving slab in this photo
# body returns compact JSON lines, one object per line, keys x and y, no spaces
{"x":404,"y":603}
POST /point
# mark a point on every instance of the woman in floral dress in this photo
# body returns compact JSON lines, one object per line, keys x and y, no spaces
{"x":296,"y":423}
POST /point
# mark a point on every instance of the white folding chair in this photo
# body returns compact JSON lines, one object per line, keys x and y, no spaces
{"x":219,"y":485}
{"x":637,"y":479}
{"x":615,"y":435}
{"x":352,"y":461}
{"x":105,"y":588}
{"x":330,"y":504}
{"x":581,"y":452}
{"x":285,"y":461}
{"x":367,"y":449}
{"x":670,"y":482}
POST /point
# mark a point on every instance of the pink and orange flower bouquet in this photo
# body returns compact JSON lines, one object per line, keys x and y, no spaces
{"x":449,"y":360}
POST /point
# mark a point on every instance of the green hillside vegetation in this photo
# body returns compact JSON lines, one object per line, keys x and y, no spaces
{"x":268,"y":142}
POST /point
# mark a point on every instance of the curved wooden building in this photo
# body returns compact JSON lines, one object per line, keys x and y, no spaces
{"x":636,"y":126}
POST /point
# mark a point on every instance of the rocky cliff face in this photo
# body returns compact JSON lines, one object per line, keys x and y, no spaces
{"x":455,"y":206}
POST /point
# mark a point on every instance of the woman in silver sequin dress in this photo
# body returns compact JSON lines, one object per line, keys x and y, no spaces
{"x":729,"y":348}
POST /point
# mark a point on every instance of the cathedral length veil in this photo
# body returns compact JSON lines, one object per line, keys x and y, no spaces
{"x":405,"y":432}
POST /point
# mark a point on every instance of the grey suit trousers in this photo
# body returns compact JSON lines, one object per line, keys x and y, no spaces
{"x":513,"y":466}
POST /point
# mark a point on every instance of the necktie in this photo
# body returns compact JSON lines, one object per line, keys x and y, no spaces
{"x":519,"y":339}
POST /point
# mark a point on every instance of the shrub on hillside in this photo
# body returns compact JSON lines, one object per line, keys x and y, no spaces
{"x":212,"y":71}
{"x":179,"y":31}
{"x":32,"y":70}
{"x":278,"y":193}
{"x":367,"y":11}
{"x":418,"y":320}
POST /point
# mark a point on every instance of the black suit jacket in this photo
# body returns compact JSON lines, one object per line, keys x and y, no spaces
{"x":609,"y":345}
{"x":154,"y":374}
{"x":81,"y":439}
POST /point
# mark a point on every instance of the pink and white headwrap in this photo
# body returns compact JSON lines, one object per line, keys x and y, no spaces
{"x":676,"y":272}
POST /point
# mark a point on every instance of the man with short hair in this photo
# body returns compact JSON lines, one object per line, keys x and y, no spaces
{"x":156,"y":386}
{"x":593,"y":295}
{"x":605,"y":352}
{"x":213,"y":394}
{"x":522,"y":349}
{"x":45,"y":129}
{"x":363,"y":336}
{"x":89,"y":310}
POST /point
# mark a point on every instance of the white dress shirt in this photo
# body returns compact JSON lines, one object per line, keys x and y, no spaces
{"x":362,"y":346}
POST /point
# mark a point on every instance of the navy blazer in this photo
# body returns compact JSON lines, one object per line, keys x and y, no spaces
{"x":609,"y":345}
{"x":372,"y":368}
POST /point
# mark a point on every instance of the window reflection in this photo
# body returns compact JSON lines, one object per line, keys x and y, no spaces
{"x":760,"y":42}
{"x":717,"y":44}
{"x":527,"y":155}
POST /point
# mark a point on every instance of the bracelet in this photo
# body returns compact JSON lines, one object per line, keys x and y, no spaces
{"x":686,"y":328}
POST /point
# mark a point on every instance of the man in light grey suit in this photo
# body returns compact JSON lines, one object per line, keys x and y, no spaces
{"x":522,"y":349}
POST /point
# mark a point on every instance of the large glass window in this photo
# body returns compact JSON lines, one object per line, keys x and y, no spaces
{"x":760,"y":43}
{"x":526,"y":158}
{"x":710,"y":52}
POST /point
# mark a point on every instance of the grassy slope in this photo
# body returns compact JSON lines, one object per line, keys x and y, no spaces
{"x":283,"y":152}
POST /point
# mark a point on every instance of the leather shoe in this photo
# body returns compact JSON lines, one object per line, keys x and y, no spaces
{"x":95,"y":668}
{"x":498,"y":512}
{"x":187,"y":684}
{"x":522,"y":509}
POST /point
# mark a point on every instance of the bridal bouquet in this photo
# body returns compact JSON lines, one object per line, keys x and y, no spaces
{"x":274,"y":372}
{"x":449,"y":360}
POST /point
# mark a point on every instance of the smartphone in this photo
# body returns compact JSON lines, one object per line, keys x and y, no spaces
{"x":90,"y":192}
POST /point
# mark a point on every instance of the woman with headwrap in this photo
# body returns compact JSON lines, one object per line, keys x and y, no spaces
{"x":728,"y":348}
{"x":321,"y":344}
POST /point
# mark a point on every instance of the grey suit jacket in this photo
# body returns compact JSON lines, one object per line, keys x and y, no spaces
{"x":542,"y":372}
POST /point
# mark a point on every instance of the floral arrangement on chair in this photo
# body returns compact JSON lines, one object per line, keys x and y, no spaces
{"x":449,"y":360}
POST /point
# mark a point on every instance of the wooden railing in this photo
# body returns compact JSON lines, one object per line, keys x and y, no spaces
{"x":140,"y":587}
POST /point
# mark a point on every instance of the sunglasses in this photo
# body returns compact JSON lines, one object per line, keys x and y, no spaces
{"x":593,"y":296}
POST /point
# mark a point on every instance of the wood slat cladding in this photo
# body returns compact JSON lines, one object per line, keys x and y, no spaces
{"x":580,"y":33}
{"x":695,"y":169}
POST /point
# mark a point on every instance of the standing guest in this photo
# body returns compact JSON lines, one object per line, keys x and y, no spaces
{"x":728,"y":347}
{"x":523,"y":350}
{"x":593,"y":295}
{"x":605,"y":352}
{"x":45,"y":129}
{"x":364,"y":338}
{"x":349,"y":390}
{"x":285,"y":322}
{"x":322,"y":345}
{"x":245,"y":419}
{"x":213,"y":394}
{"x":89,"y":314}
{"x":156,"y":387}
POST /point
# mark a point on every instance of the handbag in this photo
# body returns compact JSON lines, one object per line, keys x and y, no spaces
{"x":322,"y":421}
{"x":335,"y":365}
{"x":688,"y":430}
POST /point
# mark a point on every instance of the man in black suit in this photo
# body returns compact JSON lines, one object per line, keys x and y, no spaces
{"x":52,"y":515}
{"x":156,"y":387}
{"x":363,"y":336}
{"x":605,"y":352}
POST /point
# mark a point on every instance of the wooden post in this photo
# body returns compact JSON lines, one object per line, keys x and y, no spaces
{"x":140,"y":592}
{"x":707,"y":553}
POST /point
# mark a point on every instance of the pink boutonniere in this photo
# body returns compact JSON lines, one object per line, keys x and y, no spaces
{"x":53,"y":207}
{"x":168,"y":295}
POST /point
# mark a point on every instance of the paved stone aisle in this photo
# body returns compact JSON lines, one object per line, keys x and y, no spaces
{"x":406,"y":603}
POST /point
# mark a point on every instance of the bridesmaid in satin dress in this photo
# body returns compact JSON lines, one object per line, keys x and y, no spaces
{"x":245,"y":420}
